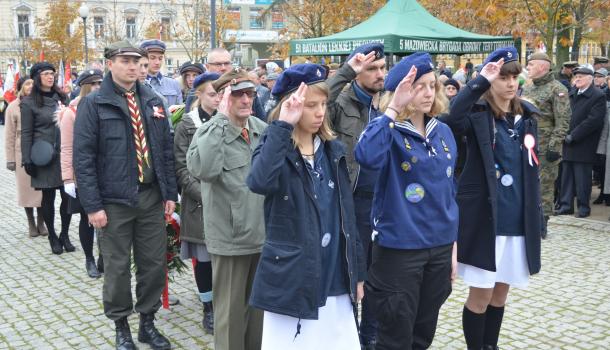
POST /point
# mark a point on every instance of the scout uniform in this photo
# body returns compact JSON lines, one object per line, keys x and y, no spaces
{"x":124,"y":166}
{"x":168,"y":87}
{"x":415,"y":219}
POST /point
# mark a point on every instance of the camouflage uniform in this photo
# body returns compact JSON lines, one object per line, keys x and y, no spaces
{"x":551,"y":97}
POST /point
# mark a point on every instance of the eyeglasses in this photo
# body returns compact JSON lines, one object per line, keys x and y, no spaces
{"x":240,"y":93}
{"x":219,"y":64}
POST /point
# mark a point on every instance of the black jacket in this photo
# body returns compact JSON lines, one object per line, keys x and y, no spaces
{"x":477,"y":195}
{"x":288,"y":278}
{"x":104,"y":158}
{"x":588,"y":113}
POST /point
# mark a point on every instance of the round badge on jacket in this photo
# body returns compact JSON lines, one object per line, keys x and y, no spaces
{"x":415,"y":193}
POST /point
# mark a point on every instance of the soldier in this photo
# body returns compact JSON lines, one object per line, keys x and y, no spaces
{"x":553,"y":101}
{"x":168,"y":87}
{"x":565,"y":75}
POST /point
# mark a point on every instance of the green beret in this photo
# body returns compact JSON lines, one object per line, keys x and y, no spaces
{"x":237,"y":77}
{"x":540,"y":56}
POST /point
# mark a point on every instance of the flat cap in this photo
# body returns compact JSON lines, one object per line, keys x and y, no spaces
{"x":601,"y":72}
{"x":237,"y":78}
{"x":368,"y":48}
{"x":570,"y":64}
{"x":40,"y":67}
{"x":583,"y":70}
{"x":202,"y":78}
{"x":188,"y":66}
{"x":90,"y":76}
{"x":153,"y":45}
{"x":421,"y":60}
{"x":290,"y":79}
{"x":539,"y":56}
{"x":508,"y":53}
{"x":122,"y":48}
{"x":600,"y":59}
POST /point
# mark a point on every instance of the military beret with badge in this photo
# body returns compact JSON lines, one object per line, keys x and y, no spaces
{"x":539,"y":56}
{"x":421,"y":60}
{"x":290,"y":79}
{"x":237,"y":78}
{"x":368,"y":48}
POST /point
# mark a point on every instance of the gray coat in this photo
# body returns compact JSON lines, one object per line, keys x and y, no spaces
{"x":191,"y":211}
{"x":604,"y":148}
{"x":39,"y":123}
{"x":220,"y":158}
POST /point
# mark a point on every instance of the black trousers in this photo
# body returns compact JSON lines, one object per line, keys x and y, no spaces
{"x":576,"y":179}
{"x":407,"y":289}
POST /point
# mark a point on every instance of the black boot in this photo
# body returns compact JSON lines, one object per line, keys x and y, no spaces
{"x":91,"y":268}
{"x":123,"y":335}
{"x":150,"y":335}
{"x":208,"y":318}
{"x":100,"y":264}
{"x":64,"y":239}
{"x":490,"y":347}
{"x":56,"y":247}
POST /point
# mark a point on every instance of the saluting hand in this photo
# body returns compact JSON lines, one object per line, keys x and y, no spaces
{"x":225,"y":102}
{"x":360,"y":61}
{"x":292,"y":109}
{"x":491,"y":71}
{"x":404,"y":94}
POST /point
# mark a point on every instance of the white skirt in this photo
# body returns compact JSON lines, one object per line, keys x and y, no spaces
{"x":334,"y":329}
{"x":511,"y":266}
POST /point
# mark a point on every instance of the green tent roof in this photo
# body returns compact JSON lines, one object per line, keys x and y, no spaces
{"x":403,"y":26}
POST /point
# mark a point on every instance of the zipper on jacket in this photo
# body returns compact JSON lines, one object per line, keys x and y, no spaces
{"x":349,"y":271}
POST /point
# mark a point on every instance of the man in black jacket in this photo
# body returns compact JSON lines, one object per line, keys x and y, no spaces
{"x":588,"y":111}
{"x":124,"y":166}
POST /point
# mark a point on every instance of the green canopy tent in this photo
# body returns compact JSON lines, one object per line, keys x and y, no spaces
{"x":403,"y":26}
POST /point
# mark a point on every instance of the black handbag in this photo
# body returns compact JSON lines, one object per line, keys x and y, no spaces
{"x":42,"y":153}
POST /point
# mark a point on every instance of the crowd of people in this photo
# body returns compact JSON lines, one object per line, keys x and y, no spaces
{"x":309,"y":190}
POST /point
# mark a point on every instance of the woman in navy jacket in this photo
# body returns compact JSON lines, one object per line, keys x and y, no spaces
{"x":414,"y":215}
{"x":498,"y":194}
{"x":310,"y":274}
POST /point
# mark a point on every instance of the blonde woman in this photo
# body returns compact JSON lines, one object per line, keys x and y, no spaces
{"x":415,"y":215}
{"x":311,"y":269}
{"x":27,"y":197}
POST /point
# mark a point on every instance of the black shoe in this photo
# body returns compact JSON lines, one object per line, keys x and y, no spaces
{"x":208,"y":318}
{"x":92,"y":269}
{"x":599,"y":200}
{"x":150,"y":335}
{"x":64,"y":239}
{"x":100,"y":264}
{"x":490,"y":347}
{"x":56,"y":247}
{"x":565,"y":212}
{"x":582,"y":215}
{"x":123,"y":335}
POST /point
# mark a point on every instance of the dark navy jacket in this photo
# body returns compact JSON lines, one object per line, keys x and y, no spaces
{"x":414,"y":203}
{"x":105,"y":162}
{"x":477,"y":188}
{"x":287,"y":280}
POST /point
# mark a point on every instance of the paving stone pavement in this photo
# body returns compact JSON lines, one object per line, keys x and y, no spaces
{"x":48,"y":302}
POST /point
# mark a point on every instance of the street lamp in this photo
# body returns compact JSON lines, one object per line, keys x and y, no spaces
{"x":83,"y":11}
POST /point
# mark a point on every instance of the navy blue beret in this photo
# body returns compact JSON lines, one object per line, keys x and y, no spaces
{"x":40,"y":67}
{"x":90,"y":76}
{"x":291,"y":78}
{"x":153,"y":45}
{"x":202,"y":78}
{"x":509,"y":54}
{"x":367,"y":48}
{"x":421,"y":60}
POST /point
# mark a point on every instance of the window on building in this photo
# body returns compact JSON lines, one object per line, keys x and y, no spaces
{"x":277,"y":20}
{"x":234,"y":14}
{"x":130,"y":27}
{"x":23,"y":25}
{"x":165,"y":28}
{"x":256,"y":20}
{"x":98,"y":27}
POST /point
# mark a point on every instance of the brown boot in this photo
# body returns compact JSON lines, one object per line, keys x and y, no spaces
{"x":42,"y":229}
{"x":29,"y":212}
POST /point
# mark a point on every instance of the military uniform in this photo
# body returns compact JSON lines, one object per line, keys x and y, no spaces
{"x":553,"y":101}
